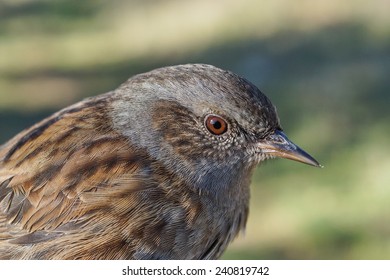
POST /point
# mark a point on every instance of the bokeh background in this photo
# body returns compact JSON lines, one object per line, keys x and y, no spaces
{"x":325,"y":64}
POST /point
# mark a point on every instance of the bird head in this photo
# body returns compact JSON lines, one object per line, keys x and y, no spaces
{"x":205,"y":124}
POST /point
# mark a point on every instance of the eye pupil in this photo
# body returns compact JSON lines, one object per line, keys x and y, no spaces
{"x":216,"y":125}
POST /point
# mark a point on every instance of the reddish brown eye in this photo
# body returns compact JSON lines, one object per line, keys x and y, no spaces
{"x":216,"y":125}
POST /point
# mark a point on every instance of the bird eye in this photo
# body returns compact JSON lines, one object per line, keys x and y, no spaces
{"x":216,"y":125}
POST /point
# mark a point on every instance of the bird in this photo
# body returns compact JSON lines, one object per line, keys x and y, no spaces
{"x":156,"y":169}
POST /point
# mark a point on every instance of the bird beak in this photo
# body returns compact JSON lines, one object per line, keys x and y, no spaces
{"x":278,"y":145}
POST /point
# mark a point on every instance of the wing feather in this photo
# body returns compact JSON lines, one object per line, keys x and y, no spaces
{"x":56,"y":172}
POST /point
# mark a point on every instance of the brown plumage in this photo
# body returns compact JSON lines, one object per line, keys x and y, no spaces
{"x":157,"y":169}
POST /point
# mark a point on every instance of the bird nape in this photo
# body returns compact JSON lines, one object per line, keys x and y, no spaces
{"x":157,"y":169}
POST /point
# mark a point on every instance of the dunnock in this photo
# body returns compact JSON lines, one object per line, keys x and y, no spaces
{"x":156,"y":169}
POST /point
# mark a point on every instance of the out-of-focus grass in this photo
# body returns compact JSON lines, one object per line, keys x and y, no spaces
{"x":340,"y":211}
{"x":325,"y":65}
{"x":62,"y":46}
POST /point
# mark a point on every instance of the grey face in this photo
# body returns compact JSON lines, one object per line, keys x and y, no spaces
{"x":176,"y":113}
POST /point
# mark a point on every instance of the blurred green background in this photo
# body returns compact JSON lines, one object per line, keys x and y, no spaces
{"x":324,"y":64}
